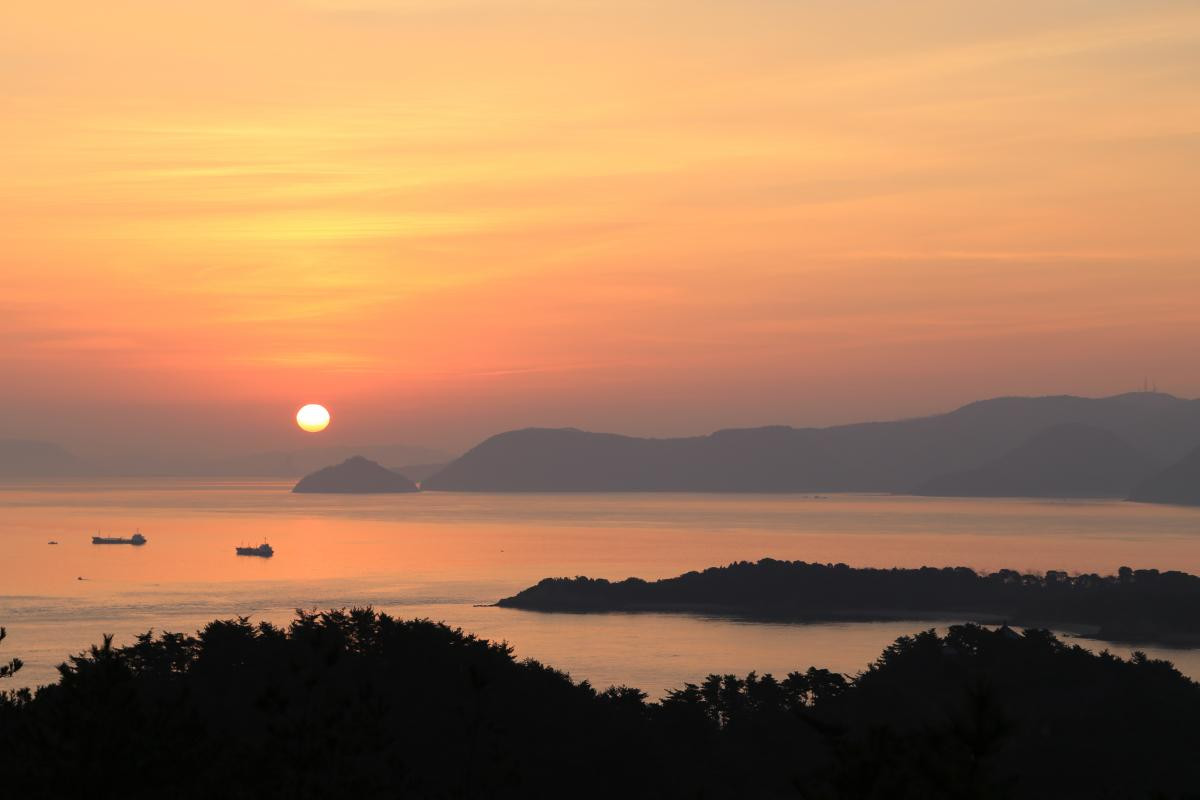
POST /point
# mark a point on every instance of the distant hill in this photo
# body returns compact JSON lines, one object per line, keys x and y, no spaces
{"x":1178,"y":484}
{"x":293,"y":463}
{"x":568,"y":460}
{"x":1068,"y":460}
{"x":899,"y":456}
{"x":26,"y":458}
{"x":355,"y":475}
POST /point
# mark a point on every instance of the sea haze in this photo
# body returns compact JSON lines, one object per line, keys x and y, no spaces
{"x":444,"y":555}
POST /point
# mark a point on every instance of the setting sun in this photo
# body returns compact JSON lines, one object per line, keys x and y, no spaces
{"x":313,"y":418}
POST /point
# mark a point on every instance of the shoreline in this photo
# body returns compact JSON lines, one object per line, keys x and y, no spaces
{"x":1067,"y":628}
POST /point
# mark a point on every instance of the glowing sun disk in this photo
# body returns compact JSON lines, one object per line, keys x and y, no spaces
{"x":312,"y":417}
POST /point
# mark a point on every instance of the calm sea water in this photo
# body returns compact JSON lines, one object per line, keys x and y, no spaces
{"x":439,"y":555}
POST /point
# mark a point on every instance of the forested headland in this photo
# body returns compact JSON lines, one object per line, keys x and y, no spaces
{"x":1142,"y":605}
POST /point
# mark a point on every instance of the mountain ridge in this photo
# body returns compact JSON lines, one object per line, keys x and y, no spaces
{"x":889,"y":456}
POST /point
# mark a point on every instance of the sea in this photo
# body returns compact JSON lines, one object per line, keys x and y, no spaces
{"x":448,"y":556}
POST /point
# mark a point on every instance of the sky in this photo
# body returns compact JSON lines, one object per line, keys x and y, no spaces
{"x":447,"y":218}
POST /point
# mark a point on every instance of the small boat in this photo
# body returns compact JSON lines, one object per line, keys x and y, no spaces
{"x":263,"y":551}
{"x":136,"y":539}
{"x":51,"y":542}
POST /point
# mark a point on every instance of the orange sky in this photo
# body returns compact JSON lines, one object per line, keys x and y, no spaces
{"x":443,"y":218}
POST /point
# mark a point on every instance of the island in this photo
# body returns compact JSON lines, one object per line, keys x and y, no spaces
{"x":356,"y":475}
{"x":1142,"y":605}
{"x":1068,"y":460}
{"x":1178,"y":484}
{"x":1015,"y":446}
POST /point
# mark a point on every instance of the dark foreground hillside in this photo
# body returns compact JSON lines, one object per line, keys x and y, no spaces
{"x":1134,"y":605}
{"x":357,"y":704}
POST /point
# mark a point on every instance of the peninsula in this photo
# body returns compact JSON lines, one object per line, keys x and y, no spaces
{"x":1142,"y":605}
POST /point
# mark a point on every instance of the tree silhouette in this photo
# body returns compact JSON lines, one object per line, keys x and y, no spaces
{"x":357,"y":703}
{"x":9,"y":669}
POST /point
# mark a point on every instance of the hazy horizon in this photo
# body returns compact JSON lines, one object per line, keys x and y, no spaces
{"x":151,"y":459}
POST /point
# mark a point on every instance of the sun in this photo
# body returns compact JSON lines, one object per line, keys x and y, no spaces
{"x":312,"y":418}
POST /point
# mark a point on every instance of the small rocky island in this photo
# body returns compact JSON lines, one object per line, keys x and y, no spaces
{"x":355,"y":475}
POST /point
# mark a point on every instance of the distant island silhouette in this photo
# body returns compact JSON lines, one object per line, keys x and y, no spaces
{"x":356,"y":475}
{"x":1178,"y":484}
{"x":359,"y":704}
{"x":28,"y":458}
{"x":25,"y":458}
{"x":301,"y":461}
{"x":1067,"y":460}
{"x":1142,"y":605}
{"x":1090,"y":448}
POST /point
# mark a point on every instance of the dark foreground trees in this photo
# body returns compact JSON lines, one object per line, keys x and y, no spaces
{"x":355,"y":703}
{"x":9,"y":669}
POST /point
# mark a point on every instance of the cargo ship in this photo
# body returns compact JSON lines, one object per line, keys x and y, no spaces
{"x":263,"y":551}
{"x":136,"y":539}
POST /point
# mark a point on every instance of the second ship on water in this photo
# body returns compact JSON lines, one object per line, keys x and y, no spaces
{"x":263,"y":550}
